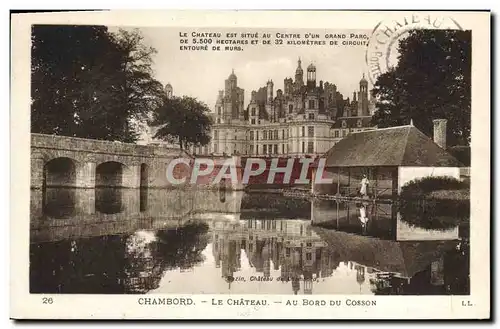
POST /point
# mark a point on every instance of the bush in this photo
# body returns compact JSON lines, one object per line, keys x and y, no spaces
{"x":422,"y":187}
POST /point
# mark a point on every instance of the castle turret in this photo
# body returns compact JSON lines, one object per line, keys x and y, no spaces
{"x":299,"y":74}
{"x":270,"y":86}
{"x":311,"y":76}
{"x":363,"y":97}
{"x":169,"y":91}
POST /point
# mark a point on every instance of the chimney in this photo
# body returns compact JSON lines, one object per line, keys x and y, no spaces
{"x":440,"y":132}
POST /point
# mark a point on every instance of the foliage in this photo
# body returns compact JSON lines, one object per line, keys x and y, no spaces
{"x":183,"y":120}
{"x":88,"y":82}
{"x":422,"y":187}
{"x":432,"y":80}
{"x":461,"y":153}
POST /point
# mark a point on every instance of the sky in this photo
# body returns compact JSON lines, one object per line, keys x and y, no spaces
{"x":201,"y":74}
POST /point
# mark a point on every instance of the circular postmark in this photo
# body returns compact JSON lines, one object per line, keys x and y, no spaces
{"x":382,"y":51}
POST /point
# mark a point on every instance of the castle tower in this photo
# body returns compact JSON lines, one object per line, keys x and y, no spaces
{"x":270,"y":86}
{"x":363,"y":97}
{"x":288,"y":84}
{"x":233,"y":99}
{"x":169,"y":91}
{"x":311,"y":76}
{"x":269,"y":101}
{"x":299,"y":74}
{"x":231,"y":82}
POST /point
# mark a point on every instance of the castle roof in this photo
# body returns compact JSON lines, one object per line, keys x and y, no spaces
{"x":352,"y":122}
{"x":395,"y":146}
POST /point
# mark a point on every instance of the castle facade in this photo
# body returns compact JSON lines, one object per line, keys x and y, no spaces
{"x":306,"y":118}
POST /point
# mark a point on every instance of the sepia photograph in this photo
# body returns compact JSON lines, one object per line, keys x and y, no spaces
{"x":246,"y":163}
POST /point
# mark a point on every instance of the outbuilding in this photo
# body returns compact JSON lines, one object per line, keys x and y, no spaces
{"x":389,"y":157}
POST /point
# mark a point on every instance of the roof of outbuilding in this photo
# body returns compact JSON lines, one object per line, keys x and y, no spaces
{"x":395,"y":146}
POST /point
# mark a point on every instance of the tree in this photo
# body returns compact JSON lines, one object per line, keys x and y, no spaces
{"x":432,"y":80}
{"x":88,"y":82}
{"x":183,"y":120}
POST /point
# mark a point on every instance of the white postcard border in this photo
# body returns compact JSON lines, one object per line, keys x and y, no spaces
{"x":25,"y":305}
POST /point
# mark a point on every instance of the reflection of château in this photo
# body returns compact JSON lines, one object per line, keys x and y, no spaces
{"x":286,"y":245}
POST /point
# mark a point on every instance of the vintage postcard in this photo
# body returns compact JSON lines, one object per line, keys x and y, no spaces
{"x":250,"y":165}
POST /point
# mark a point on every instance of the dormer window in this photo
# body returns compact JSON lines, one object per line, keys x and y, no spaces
{"x":344,"y":124}
{"x":360,"y":123}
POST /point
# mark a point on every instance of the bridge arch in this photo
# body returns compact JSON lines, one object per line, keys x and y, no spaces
{"x":60,"y":172}
{"x":109,"y":174}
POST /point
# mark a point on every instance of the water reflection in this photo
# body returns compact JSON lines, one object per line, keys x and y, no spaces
{"x":382,"y":220}
{"x":158,"y":241}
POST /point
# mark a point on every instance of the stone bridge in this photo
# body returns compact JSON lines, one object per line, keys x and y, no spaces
{"x":61,"y":161}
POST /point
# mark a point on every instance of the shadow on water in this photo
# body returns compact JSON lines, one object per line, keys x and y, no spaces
{"x":60,"y":203}
{"x":136,"y":241}
{"x":109,"y":200}
{"x":115,"y":264}
{"x":363,"y":218}
{"x":435,"y":214}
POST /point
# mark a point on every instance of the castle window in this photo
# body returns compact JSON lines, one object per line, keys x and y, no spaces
{"x":218,"y":120}
{"x":311,"y":104}
{"x":283,"y":134}
{"x":251,"y":149}
{"x":219,"y":110}
{"x":265,"y":136}
{"x":216,"y":134}
{"x":253,"y":121}
{"x":253,"y":111}
{"x":311,"y":116}
{"x":308,"y":256}
{"x":276,"y":134}
{"x":303,"y":147}
{"x":310,"y":147}
{"x":251,"y":135}
{"x":336,"y":133}
{"x":216,"y":148}
{"x":310,"y":131}
{"x":290,"y":108}
{"x":257,"y":136}
{"x":303,"y":131}
{"x":264,"y":150}
{"x":283,"y":148}
{"x":257,"y":149}
{"x":275,"y":148}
